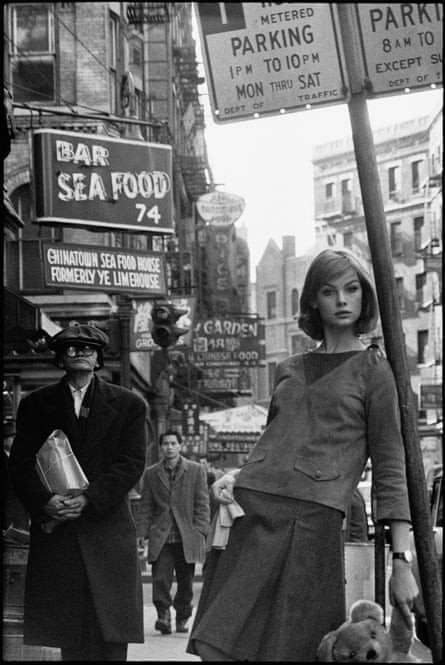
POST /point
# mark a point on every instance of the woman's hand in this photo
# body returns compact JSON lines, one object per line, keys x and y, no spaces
{"x":222,"y":489}
{"x":403,"y":589}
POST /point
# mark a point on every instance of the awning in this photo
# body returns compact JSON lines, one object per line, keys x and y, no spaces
{"x":22,"y":320}
{"x":235,"y":430}
{"x":9,"y":213}
{"x":248,"y":418}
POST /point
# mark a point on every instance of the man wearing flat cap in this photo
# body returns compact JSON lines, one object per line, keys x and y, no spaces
{"x":83,"y":590}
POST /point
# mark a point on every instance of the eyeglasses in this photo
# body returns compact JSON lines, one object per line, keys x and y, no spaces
{"x":73,"y":351}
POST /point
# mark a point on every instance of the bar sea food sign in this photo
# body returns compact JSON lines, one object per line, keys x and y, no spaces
{"x":91,"y":180}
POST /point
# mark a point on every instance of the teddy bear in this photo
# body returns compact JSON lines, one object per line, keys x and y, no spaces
{"x":363,"y":638}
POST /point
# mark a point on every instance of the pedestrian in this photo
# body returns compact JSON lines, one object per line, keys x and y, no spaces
{"x":174,"y":516}
{"x":278,"y":587}
{"x":83,"y":589}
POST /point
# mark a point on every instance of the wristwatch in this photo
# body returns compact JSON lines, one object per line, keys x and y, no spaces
{"x":404,"y":556}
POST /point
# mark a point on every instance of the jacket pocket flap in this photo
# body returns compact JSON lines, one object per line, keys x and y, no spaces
{"x":316,"y":470}
{"x":257,"y":455}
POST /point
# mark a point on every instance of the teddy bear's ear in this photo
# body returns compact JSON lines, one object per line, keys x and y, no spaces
{"x":324,"y":651}
{"x":366,"y":609}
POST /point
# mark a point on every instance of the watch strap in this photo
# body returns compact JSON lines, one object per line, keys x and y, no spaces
{"x":404,"y":556}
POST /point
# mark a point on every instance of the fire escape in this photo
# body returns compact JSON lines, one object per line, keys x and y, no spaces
{"x":194,"y":167}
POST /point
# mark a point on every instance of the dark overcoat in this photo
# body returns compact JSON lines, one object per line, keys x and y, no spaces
{"x":187,"y":502}
{"x":102,"y":542}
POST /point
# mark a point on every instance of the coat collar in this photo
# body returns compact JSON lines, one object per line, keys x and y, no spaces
{"x":102,"y":414}
{"x":162,"y":473}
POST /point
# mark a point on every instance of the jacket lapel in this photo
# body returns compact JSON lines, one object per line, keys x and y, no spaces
{"x":162,"y":474}
{"x":101,"y":416}
{"x":181,"y":470}
{"x":60,"y":413}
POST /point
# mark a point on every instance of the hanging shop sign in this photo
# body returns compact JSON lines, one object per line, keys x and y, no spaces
{"x":104,"y":269}
{"x":431,"y":396}
{"x":226,"y":379}
{"x":90,"y":180}
{"x":231,"y":442}
{"x":235,"y":430}
{"x":266,"y":57}
{"x":234,"y":341}
{"x":220,"y":208}
{"x":141,"y":323}
{"x":401,"y":44}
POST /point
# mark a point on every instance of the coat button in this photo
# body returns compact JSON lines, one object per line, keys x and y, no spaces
{"x":318,"y":474}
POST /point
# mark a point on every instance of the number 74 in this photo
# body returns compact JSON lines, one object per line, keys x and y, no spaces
{"x":153,"y":213}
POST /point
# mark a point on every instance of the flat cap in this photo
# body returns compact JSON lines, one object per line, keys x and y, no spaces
{"x":80,"y":333}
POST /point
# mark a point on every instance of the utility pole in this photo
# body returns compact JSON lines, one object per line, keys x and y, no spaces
{"x":124,"y":313}
{"x":392,"y":330}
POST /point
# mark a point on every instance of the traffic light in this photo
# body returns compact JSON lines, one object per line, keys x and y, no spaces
{"x":165,"y":331}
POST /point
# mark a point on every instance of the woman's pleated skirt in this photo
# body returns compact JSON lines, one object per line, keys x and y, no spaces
{"x":278,"y":587}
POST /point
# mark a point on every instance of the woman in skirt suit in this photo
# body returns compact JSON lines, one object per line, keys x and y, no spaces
{"x":278,"y":587}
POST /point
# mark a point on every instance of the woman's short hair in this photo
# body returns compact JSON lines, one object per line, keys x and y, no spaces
{"x":326,"y":265}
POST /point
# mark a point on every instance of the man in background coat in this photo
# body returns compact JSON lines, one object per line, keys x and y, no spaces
{"x":83,"y":589}
{"x":174,"y":516}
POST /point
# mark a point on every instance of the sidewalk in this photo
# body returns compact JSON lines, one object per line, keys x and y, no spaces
{"x":172,"y":647}
{"x":158,"y":647}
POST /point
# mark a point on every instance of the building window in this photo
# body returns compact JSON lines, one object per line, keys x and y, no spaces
{"x":394,"y":182}
{"x":26,"y":256}
{"x":418,"y":225}
{"x":400,"y":290}
{"x":297,"y":344}
{"x":396,"y":238}
{"x":422,"y":343}
{"x":294,"y":301}
{"x":346,"y":196}
{"x":271,"y":305}
{"x":32,"y":53}
{"x":329,"y":190}
{"x":420,"y":285}
{"x":271,"y":368}
{"x":415,"y":176}
{"x":348,"y":238}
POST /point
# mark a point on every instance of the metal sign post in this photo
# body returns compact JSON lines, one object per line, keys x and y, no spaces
{"x":393,"y":332}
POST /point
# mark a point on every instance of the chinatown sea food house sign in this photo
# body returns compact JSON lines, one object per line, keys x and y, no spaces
{"x":91,"y":180}
{"x":104,"y":269}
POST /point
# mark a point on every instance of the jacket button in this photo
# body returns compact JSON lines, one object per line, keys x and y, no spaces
{"x":318,"y":474}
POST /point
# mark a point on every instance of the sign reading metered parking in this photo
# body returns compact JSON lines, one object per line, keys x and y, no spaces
{"x":269,"y":57}
{"x":402,"y":44}
{"x":92,"y":180}
{"x":104,"y":269}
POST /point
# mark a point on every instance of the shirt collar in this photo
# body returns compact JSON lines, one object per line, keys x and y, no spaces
{"x":81,"y":391}
{"x":175,"y":468}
